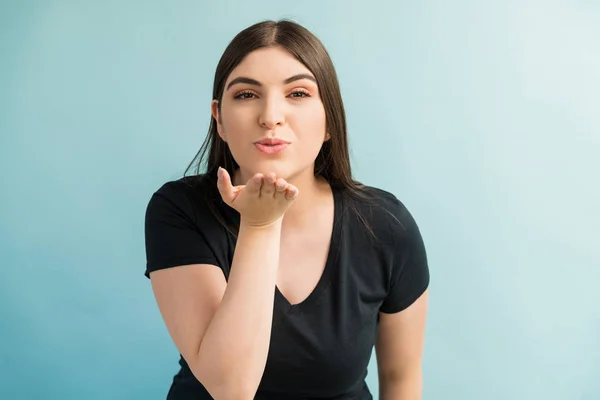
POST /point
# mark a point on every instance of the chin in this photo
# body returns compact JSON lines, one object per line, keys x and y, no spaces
{"x":279,"y":167}
{"x":267,"y":167}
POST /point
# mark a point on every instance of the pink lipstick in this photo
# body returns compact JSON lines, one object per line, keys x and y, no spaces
{"x":271,"y":145}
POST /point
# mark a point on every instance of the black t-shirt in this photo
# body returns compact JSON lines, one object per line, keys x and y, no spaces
{"x":319,"y":348}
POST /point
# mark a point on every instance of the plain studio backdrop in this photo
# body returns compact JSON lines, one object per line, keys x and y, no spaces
{"x":482,"y":117}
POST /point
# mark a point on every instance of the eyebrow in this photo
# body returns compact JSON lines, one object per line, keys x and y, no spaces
{"x":250,"y":81}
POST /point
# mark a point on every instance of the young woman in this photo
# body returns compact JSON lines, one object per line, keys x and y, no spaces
{"x":275,"y":272}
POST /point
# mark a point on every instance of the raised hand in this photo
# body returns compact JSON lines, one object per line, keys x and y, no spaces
{"x":262,"y":201}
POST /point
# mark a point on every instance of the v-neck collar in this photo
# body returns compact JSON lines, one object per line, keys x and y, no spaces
{"x":325,"y":279}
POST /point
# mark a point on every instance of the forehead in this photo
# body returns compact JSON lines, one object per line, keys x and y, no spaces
{"x":272,"y":64}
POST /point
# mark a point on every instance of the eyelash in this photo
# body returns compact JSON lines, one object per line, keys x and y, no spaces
{"x":241,"y":95}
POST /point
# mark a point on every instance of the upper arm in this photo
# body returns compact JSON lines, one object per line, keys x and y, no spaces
{"x":182,"y":243}
{"x":188,"y":297}
{"x":400,"y":341}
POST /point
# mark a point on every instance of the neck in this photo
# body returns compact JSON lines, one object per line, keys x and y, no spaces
{"x":314,"y":192}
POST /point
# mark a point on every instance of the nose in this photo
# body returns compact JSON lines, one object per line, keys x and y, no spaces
{"x":272,"y":113}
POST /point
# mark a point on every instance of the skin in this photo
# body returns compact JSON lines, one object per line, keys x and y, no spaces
{"x":399,"y":351}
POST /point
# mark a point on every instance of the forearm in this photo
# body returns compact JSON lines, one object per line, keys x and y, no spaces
{"x":235,"y":346}
{"x":408,"y":387}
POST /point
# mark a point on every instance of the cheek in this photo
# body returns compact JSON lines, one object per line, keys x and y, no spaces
{"x":234,"y":120}
{"x":309,"y":123}
{"x":237,"y":130}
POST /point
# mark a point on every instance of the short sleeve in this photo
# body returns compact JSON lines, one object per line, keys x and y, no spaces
{"x":172,"y":234}
{"x":410,"y":270}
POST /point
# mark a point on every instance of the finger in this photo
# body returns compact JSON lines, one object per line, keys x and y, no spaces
{"x":291,"y":192}
{"x":224,"y":185}
{"x":280,"y":185}
{"x":254,"y":184}
{"x":268,"y":187}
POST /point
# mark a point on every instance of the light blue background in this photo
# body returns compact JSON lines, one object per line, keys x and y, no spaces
{"x":483,"y":117}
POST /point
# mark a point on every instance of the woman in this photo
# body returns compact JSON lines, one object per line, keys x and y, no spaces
{"x":275,"y":272}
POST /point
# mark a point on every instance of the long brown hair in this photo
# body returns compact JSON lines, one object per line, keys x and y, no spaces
{"x":333,"y":160}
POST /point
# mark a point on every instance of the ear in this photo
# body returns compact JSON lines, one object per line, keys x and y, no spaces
{"x":214,"y":108}
{"x":327,"y":137}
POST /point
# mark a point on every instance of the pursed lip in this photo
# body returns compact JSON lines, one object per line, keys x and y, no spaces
{"x":271,"y":142}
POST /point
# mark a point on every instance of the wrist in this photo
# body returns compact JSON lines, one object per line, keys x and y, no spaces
{"x":253,"y":226}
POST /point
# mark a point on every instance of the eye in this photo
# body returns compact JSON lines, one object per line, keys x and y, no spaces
{"x":299,"y":94}
{"x":244,"y":95}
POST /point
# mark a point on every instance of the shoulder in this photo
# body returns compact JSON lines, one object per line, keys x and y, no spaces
{"x":383,"y":207}
{"x":187,"y":196}
{"x":189,"y":186}
{"x":386,"y":215}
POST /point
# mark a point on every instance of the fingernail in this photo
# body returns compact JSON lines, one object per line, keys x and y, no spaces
{"x":220,"y":173}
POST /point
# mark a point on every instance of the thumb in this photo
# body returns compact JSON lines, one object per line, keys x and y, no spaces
{"x":225,"y":186}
